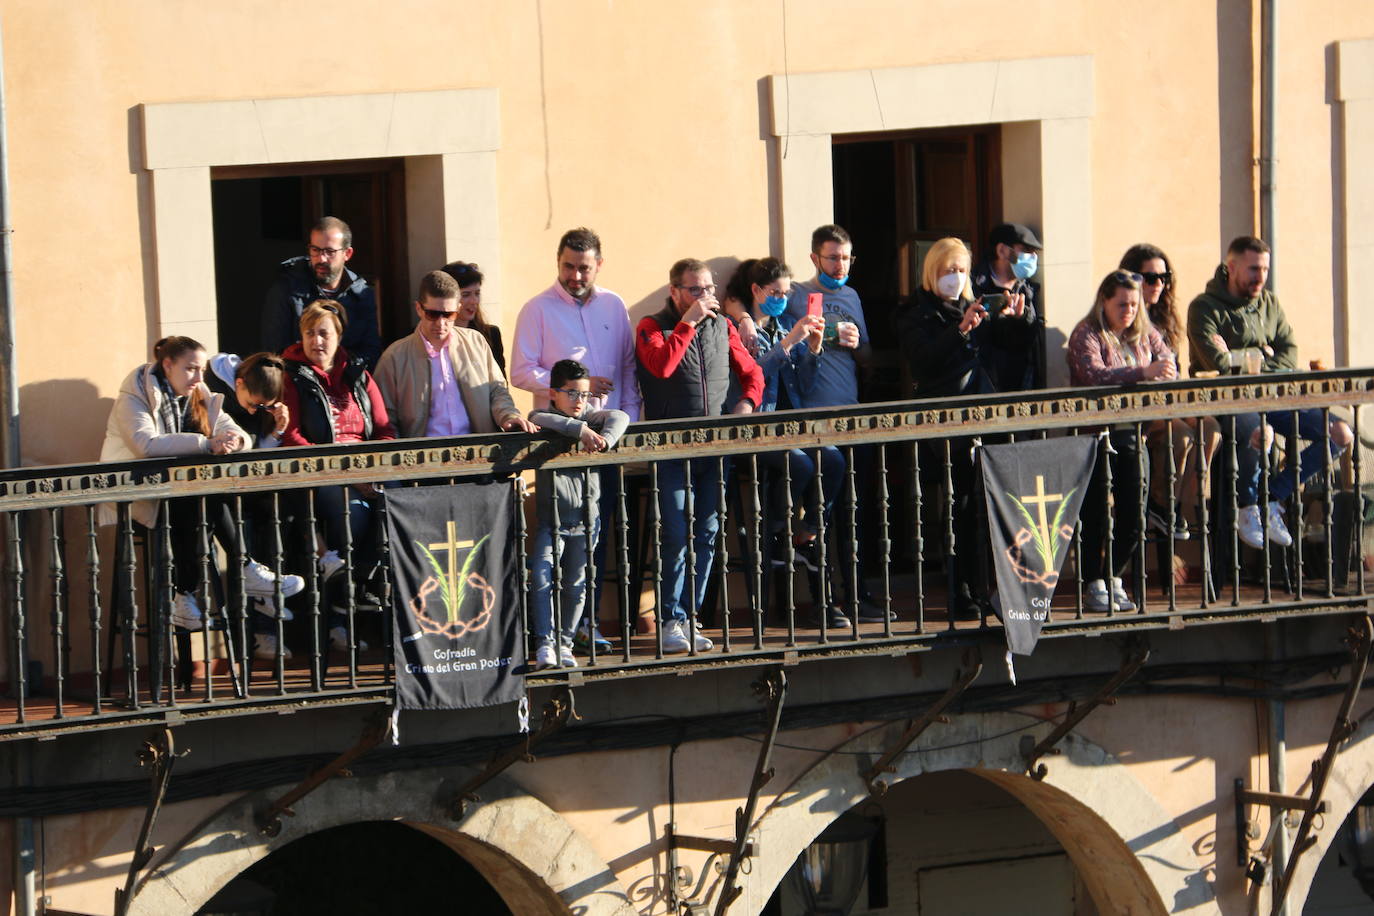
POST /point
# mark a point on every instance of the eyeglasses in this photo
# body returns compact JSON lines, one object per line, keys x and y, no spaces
{"x":698,"y":291}
{"x":840,"y":258}
{"x":577,"y":394}
{"x":1152,"y":278}
{"x":327,"y":252}
{"x":436,"y":314}
{"x":1121,"y":276}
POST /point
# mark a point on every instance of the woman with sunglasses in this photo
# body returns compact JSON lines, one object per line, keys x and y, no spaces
{"x":1157,"y":294}
{"x":1115,"y":344}
{"x":333,"y":399}
{"x":469,"y":279}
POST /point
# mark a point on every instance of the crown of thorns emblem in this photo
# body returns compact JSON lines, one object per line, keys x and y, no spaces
{"x":453,"y":583}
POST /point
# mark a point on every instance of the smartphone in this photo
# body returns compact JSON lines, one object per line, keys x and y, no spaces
{"x":813,"y":304}
{"x":994,"y":302}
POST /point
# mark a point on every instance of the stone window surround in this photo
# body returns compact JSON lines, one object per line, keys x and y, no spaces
{"x":1355,"y":97}
{"x":1045,"y":107}
{"x":448,"y":138}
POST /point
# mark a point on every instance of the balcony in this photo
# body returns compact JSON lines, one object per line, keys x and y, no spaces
{"x":86,"y":636}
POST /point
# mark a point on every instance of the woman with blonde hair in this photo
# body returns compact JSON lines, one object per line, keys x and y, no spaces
{"x":331,"y":398}
{"x":1115,"y":344}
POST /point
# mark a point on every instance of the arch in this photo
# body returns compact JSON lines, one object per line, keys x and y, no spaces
{"x":1351,"y":777}
{"x":533,"y":858}
{"x":1128,"y":850}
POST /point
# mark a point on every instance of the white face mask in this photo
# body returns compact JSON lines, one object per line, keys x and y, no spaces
{"x":951,"y":285}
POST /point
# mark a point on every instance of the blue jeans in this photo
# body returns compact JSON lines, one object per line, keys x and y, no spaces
{"x":801,"y":469}
{"x":572,"y":560}
{"x":1309,"y":426}
{"x":672,"y":508}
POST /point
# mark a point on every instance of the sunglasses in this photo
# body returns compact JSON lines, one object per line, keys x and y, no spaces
{"x":436,"y":314}
{"x":576,"y":394}
{"x":1121,"y":276}
{"x":255,"y":407}
{"x":1153,"y":278}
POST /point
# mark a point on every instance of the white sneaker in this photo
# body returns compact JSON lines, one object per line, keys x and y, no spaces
{"x":546,"y":656}
{"x":186,"y":613}
{"x":565,"y":656}
{"x":1123,"y":600}
{"x":330,"y":564}
{"x":265,"y":647}
{"x":675,"y":638}
{"x":265,"y":607}
{"x":1278,"y":531}
{"x":259,"y":580}
{"x":338,"y":639}
{"x":1095,"y":597}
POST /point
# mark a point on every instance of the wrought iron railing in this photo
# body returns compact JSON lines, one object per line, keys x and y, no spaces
{"x":90,"y":642}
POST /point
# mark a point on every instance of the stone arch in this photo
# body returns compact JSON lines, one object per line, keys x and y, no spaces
{"x":1128,"y":849}
{"x":1350,"y":779}
{"x":533,"y":858}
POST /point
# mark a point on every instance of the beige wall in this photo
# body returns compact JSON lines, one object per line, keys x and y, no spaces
{"x":657,"y":135}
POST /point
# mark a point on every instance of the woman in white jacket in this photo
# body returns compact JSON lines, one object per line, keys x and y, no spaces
{"x":165,"y":410}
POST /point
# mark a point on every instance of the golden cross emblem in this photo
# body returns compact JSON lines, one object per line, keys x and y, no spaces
{"x":1040,"y":500}
{"x":451,"y":546}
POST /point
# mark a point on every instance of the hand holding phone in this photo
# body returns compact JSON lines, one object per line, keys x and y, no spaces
{"x":814,"y":302}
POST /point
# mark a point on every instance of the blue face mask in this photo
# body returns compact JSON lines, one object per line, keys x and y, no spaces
{"x":830,"y":282}
{"x":1025,"y":265}
{"x":773,"y":306}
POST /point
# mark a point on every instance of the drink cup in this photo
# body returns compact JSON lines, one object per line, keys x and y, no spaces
{"x":1253,"y":359}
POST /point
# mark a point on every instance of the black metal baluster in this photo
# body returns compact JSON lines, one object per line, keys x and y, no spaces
{"x":237,"y":566}
{"x":18,"y":618}
{"x":350,"y":595}
{"x":1295,"y":529}
{"x":129,"y":611}
{"x":556,"y":571}
{"x":1078,"y":538}
{"x":918,"y":539}
{"x":761,"y":549}
{"x":656,"y":526}
{"x":884,"y":533}
{"x":589,"y":613}
{"x":171,"y":643}
{"x":204,"y":591}
{"x":689,"y":505}
{"x":623,"y":566}
{"x":279,"y":625}
{"x":1329,"y":507}
{"x":1172,"y":519}
{"x":388,"y":613}
{"x":1263,"y":505}
{"x":1204,"y":520}
{"x":59,"y":608}
{"x":951,"y":580}
{"x":93,"y":600}
{"x":522,"y":575}
{"x":1142,"y":497}
{"x":722,"y":558}
{"x":789,"y":549}
{"x":1109,"y":511}
{"x":317,"y":585}
{"x":1234,"y":496}
{"x":1358,"y":497}
{"x":856,"y":587}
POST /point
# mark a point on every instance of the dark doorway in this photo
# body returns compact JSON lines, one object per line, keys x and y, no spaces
{"x":898,"y":193}
{"x":362,"y":869}
{"x":262,"y":215}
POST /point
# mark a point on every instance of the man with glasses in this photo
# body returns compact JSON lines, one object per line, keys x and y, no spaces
{"x":687,"y":353}
{"x":442,"y":380}
{"x":1236,"y":317}
{"x":322,"y":273}
{"x":845,"y":350}
{"x":579,"y":320}
{"x":1012,"y":259}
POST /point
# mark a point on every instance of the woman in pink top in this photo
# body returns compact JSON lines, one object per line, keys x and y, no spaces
{"x":1115,"y":344}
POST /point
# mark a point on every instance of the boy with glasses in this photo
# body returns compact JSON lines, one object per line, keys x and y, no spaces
{"x":567,"y":509}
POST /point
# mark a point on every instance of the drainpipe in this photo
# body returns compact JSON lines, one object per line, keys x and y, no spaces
{"x":1269,"y":104}
{"x":1278,"y":767}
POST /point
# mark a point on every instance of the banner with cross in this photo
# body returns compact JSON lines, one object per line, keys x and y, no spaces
{"x":1034,"y":491}
{"x":455,"y":595}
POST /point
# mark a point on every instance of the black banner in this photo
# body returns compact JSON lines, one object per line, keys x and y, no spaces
{"x":456,"y":595}
{"x":1034,"y":492}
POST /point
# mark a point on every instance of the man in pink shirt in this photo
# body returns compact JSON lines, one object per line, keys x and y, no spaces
{"x":576,"y":319}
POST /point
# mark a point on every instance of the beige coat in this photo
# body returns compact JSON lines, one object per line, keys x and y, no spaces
{"x":135,"y":430}
{"x":402,"y":374}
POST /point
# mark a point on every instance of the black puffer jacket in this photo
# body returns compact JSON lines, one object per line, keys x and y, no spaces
{"x":944,"y":362}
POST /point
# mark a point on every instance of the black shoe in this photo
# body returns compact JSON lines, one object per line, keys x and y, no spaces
{"x":869,"y":612}
{"x":834,"y":619}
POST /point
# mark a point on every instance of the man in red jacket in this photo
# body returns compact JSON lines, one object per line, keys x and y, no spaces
{"x":687,"y":353}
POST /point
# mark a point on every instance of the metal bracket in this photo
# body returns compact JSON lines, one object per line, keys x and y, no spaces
{"x":1358,"y":640}
{"x":557,"y":711}
{"x":1138,"y":652}
{"x":269,"y":819}
{"x":158,"y":752}
{"x":963,"y":677}
{"x":773,"y":687}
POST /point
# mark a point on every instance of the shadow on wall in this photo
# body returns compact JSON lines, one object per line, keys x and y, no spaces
{"x":61,"y":421}
{"x":722,"y":269}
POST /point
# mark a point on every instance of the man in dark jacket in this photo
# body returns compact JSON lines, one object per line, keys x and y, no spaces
{"x":1234,"y":314}
{"x":322,"y":274}
{"x":686,"y":354}
{"x":1012,"y":259}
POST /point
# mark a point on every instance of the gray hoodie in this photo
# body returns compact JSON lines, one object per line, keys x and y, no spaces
{"x":568,"y":485}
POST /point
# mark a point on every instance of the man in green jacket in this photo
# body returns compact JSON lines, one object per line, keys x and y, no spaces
{"x":1236,"y":312}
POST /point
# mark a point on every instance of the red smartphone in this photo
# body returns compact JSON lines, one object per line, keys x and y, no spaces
{"x":813,"y":304}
